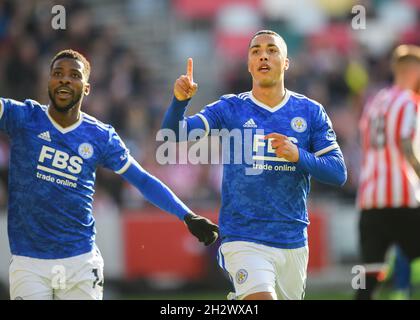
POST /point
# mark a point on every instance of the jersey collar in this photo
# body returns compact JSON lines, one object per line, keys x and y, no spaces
{"x":59,"y":127}
{"x":268,"y":108}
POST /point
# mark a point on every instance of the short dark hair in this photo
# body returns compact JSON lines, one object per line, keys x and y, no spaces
{"x":72,"y":54}
{"x":405,"y":53}
{"x":272,"y":33}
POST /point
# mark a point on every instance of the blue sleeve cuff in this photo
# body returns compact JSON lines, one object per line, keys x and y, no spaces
{"x":328,"y":168}
{"x":178,"y":103}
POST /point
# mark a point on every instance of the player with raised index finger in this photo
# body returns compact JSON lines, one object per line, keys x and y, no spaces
{"x":263,"y":218}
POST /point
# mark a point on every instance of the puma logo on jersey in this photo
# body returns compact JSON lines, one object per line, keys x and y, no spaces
{"x":61,"y":160}
{"x":45,"y":136}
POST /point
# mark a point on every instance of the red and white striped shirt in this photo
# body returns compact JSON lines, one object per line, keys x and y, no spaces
{"x":387,"y":180}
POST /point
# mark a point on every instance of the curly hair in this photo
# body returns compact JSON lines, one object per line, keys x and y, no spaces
{"x":72,"y":54}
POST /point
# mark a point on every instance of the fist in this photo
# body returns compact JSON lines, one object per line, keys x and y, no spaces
{"x":283,"y":147}
{"x":185,"y":87}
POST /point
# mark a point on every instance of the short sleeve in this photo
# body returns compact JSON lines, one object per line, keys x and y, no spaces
{"x":409,"y":121}
{"x":116,"y":155}
{"x":323,"y":137}
{"x":12,"y":114}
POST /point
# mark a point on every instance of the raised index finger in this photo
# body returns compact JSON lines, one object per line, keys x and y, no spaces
{"x":190,"y":69}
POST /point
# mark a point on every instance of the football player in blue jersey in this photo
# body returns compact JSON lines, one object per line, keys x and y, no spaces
{"x":55,"y":151}
{"x":263,"y":217}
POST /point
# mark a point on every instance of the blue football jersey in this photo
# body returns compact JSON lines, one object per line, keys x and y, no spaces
{"x":51,"y":179}
{"x":263,"y":196}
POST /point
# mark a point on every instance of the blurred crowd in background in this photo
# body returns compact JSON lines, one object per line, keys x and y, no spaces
{"x":137,"y":48}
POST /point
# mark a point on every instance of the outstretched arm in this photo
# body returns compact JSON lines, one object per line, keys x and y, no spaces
{"x":161,"y":196}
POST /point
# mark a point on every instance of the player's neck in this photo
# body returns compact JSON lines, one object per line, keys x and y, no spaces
{"x":65,"y":119}
{"x":271,"y":97}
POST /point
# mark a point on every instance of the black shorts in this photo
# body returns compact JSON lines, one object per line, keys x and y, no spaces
{"x":381,"y":228}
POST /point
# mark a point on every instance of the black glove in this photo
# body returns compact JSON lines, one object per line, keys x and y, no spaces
{"x":202,"y":228}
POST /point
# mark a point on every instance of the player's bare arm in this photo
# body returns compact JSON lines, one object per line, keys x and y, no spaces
{"x":407,"y":149}
{"x":185,"y":87}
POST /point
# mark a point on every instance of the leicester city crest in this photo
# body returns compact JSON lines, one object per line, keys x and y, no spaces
{"x":298,"y":124}
{"x":241,"y":276}
{"x":85,"y":150}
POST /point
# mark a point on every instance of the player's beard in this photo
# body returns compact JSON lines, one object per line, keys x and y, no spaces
{"x":69,"y":106}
